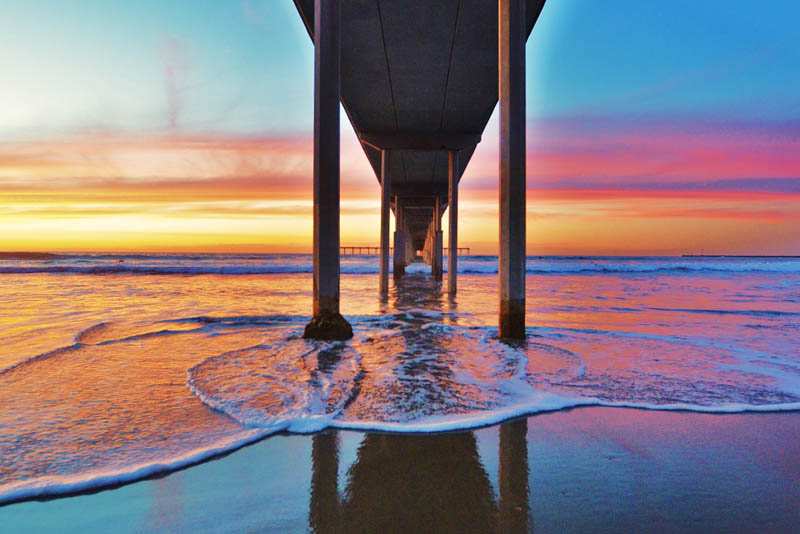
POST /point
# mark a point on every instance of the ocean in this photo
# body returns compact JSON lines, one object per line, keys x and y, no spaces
{"x":117,"y":367}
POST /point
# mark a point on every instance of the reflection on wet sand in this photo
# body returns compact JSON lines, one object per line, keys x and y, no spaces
{"x":514,"y":509}
{"x":324,"y":513}
{"x":420,"y":483}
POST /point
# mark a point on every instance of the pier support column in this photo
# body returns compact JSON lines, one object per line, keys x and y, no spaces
{"x":511,"y":61}
{"x":386,"y":199}
{"x":399,"y":239}
{"x":411,"y":252}
{"x":452,"y":207}
{"x":327,"y":323}
{"x":437,"y":241}
{"x":426,"y":247}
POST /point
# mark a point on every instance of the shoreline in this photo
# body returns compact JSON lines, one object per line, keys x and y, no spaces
{"x":606,"y":467}
{"x":155,"y":471}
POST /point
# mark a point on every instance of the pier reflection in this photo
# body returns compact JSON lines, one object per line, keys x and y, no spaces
{"x":421,"y":483}
{"x":514,"y":513}
{"x":418,"y":291}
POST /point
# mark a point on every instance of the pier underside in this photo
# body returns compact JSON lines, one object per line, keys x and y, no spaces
{"x":419,"y":81}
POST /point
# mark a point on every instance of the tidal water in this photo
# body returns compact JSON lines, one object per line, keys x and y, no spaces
{"x":113,"y":368}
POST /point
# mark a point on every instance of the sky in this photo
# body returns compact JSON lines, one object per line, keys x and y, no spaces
{"x":653,"y":128}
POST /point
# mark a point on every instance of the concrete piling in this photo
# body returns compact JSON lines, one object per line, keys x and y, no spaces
{"x":327,"y":323}
{"x":512,"y":35}
{"x":452,"y":208}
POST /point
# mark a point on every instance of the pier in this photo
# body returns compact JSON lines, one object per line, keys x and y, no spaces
{"x":418,"y":81}
{"x":374,"y":251}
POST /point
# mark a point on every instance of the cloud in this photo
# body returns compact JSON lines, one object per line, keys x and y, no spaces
{"x":246,"y":183}
{"x":255,"y":12}
{"x":176,"y":66}
{"x":179,"y":165}
{"x":651,"y":153}
{"x":139,"y":162}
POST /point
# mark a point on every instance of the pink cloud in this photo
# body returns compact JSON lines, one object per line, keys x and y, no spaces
{"x":626,"y":153}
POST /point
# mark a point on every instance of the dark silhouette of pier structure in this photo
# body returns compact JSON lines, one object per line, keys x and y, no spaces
{"x":418,"y":80}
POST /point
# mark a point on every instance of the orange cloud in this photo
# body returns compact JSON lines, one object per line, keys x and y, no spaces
{"x":597,"y":190}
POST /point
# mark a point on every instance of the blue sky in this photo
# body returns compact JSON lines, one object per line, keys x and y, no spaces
{"x":626,"y":57}
{"x":245,"y":66}
{"x":238,"y":66}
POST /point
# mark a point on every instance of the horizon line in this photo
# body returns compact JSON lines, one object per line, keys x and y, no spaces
{"x":23,"y":254}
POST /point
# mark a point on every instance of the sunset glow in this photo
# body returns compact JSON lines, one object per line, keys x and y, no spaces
{"x":608,"y":193}
{"x":197,"y":160}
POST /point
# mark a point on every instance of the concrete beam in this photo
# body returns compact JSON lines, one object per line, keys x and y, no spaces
{"x":386,"y":204}
{"x":415,"y":202}
{"x":419,"y":141}
{"x":512,"y":34}
{"x":327,"y":323}
{"x":452,"y":207}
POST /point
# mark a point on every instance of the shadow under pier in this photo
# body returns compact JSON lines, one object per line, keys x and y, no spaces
{"x":421,"y":483}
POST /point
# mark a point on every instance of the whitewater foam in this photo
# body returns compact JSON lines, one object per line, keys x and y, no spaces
{"x":57,"y":486}
{"x":486,"y":382}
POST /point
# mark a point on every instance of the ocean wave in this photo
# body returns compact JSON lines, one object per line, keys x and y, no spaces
{"x":472,"y":379}
{"x":749,"y":313}
{"x":29,"y":256}
{"x":366,"y":267}
{"x":38,"y":357}
{"x":157,"y":270}
{"x":59,"y":486}
{"x":546,"y":403}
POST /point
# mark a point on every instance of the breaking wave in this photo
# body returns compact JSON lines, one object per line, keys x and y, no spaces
{"x":301,"y":263}
{"x":411,"y":371}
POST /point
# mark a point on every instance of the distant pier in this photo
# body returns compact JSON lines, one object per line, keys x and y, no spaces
{"x":374,"y":251}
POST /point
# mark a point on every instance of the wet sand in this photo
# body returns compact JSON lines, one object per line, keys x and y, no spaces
{"x":590,"y":469}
